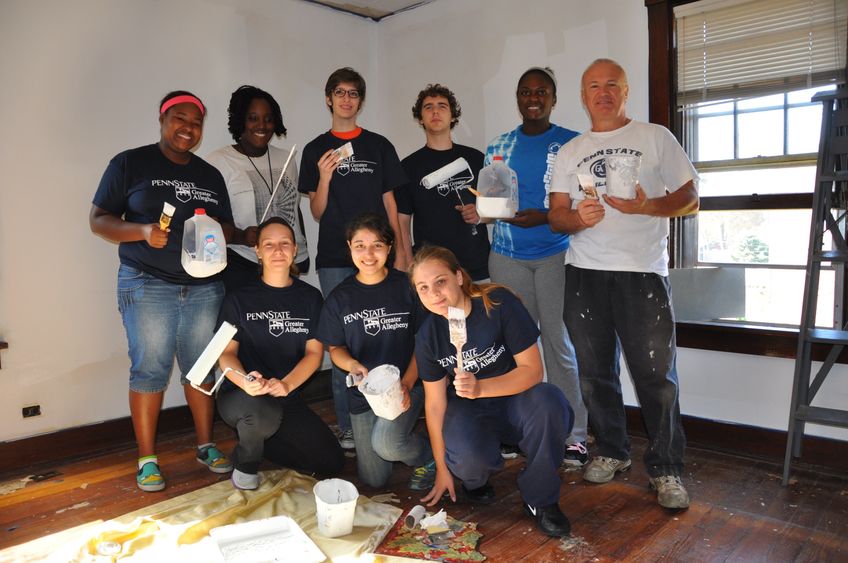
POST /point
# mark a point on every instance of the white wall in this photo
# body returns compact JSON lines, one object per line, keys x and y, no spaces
{"x":82,"y":81}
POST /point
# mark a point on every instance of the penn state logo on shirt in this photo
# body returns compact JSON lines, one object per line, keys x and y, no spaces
{"x":351,"y":165}
{"x":276,"y":327}
{"x":455,"y":183}
{"x":183,"y":194}
{"x":599,"y":168}
{"x":371,"y":326}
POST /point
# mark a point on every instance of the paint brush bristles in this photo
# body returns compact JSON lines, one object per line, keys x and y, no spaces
{"x":456,"y":331}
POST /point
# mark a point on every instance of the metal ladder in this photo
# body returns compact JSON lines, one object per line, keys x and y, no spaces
{"x":828,"y":218}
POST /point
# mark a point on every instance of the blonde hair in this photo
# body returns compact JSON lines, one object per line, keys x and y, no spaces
{"x":449,"y":260}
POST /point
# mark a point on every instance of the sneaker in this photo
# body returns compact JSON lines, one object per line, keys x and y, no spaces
{"x":149,"y":478}
{"x":423,"y":477}
{"x":480,"y":495}
{"x":576,"y":455}
{"x":603,"y":469}
{"x":245,"y":481}
{"x":346,"y":440}
{"x":509,"y":451}
{"x":670,"y":491}
{"x":211,"y":457}
{"x":550,"y":519}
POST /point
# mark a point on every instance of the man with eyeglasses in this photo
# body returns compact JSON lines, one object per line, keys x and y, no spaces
{"x":617,"y":294}
{"x":444,"y":215}
{"x":526,"y":255}
{"x":341,"y":186}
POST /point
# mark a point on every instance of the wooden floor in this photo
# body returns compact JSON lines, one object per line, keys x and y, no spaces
{"x":739,"y":512}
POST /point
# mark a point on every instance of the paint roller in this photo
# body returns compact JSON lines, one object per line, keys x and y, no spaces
{"x":210,"y":355}
{"x":447,"y":171}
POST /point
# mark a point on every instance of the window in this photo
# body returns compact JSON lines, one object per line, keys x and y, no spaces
{"x":746,"y":73}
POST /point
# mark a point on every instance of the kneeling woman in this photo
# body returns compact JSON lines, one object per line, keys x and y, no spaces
{"x":499,"y":396}
{"x":276,"y":319}
{"x":370,"y":319}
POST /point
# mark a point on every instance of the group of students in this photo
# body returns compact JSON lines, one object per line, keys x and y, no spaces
{"x":385,"y":300}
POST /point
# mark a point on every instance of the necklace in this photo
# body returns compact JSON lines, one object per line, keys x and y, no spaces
{"x":270,"y":171}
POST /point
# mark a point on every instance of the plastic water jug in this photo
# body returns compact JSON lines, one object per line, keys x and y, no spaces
{"x":204,"y":250}
{"x":498,"y":188}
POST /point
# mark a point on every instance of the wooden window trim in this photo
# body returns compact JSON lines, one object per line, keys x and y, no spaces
{"x":662,"y":81}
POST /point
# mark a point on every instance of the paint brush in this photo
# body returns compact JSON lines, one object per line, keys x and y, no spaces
{"x":457,"y":333}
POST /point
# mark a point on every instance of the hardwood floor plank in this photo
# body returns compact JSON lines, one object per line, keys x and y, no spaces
{"x":739,"y":511}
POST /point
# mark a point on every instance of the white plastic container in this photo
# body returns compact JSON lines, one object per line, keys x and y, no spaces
{"x":382,"y":390}
{"x":204,"y":251}
{"x":498,"y":188}
{"x":335,"y":503}
{"x":622,"y":175}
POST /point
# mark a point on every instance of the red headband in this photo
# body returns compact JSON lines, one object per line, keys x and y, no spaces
{"x":184,"y":99}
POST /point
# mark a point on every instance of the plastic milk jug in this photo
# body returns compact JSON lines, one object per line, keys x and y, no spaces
{"x":498,"y":187}
{"x":204,"y":250}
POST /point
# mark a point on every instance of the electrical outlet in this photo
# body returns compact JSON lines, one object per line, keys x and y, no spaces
{"x":30,"y":411}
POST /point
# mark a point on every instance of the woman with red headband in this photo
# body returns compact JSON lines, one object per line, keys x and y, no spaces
{"x":165,"y":311}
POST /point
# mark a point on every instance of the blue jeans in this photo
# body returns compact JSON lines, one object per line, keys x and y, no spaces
{"x":329,"y":278}
{"x":380,"y":442}
{"x":538,"y":420}
{"x":163,"y":320}
{"x":607,"y":312}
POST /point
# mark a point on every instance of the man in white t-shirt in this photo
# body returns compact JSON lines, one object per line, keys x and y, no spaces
{"x":617,"y":294}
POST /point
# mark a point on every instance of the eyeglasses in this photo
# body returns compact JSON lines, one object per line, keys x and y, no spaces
{"x":341,"y":93}
{"x":527,"y":92}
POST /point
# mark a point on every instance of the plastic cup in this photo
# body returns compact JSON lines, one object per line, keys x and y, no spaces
{"x":382,"y":390}
{"x":335,"y":503}
{"x":622,"y":174}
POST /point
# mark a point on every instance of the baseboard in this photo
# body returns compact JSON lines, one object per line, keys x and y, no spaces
{"x":750,"y":441}
{"x":111,"y":435}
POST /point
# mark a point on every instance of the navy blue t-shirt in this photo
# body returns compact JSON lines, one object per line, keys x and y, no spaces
{"x":376,"y":323}
{"x":493,"y":340}
{"x":273,"y":325}
{"x":357,"y":185}
{"x":135,"y":186}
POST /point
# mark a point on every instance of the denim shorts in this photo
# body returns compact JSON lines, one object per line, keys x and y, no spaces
{"x":163,"y":320}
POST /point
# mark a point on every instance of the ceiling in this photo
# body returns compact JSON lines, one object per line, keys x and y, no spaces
{"x":371,"y":9}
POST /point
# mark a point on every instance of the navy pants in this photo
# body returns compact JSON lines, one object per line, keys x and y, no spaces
{"x":286,"y":432}
{"x":538,"y":420}
{"x":609,"y":312}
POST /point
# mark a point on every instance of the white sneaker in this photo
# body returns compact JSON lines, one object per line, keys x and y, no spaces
{"x":602,"y":469}
{"x":670,"y":491}
{"x":245,"y":481}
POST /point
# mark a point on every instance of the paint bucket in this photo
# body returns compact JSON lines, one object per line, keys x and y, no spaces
{"x":622,"y":174}
{"x":335,"y":503}
{"x":382,"y":391}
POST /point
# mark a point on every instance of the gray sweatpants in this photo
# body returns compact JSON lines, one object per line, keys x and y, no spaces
{"x":540,"y":285}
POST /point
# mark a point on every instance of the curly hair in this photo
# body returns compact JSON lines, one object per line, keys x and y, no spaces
{"x":433,"y":90}
{"x":237,"y":110}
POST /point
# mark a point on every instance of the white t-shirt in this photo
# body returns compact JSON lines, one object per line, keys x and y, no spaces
{"x":249,"y":194}
{"x":620,"y":242}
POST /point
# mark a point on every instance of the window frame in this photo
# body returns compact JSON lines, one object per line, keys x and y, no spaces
{"x":741,"y":338}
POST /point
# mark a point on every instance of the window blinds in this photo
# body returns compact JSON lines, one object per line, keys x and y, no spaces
{"x":742,"y":48}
